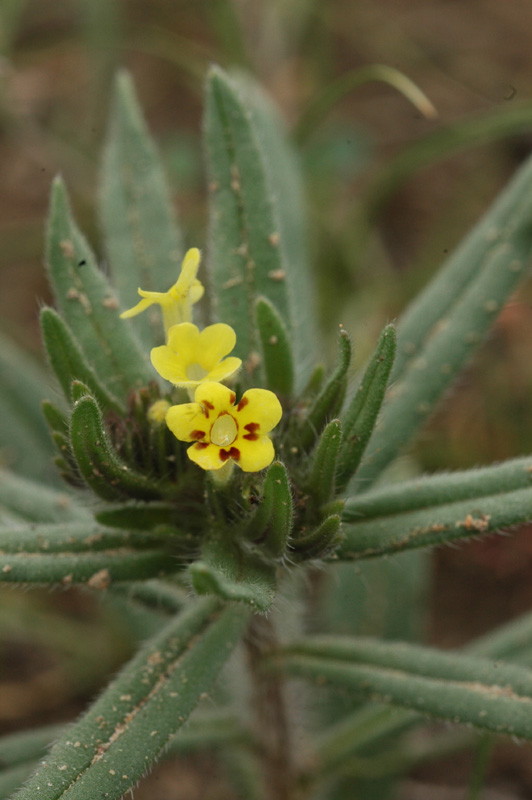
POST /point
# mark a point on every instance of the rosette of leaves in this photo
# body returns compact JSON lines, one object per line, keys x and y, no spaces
{"x":137,"y":519}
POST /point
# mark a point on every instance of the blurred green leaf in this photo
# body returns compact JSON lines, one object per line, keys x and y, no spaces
{"x":34,"y":502}
{"x":489,"y":695}
{"x":142,"y":239}
{"x":276,"y":349}
{"x":88,"y":304}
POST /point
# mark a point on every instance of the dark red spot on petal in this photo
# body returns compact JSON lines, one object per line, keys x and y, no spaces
{"x":197,"y":435}
{"x":243,"y":403}
{"x":251,"y":437}
{"x":232,"y":397}
{"x":252,"y":427}
{"x":233,"y":452}
{"x":208,"y":404}
{"x":200,"y":445}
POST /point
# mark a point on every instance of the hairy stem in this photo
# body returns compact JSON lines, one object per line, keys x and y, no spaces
{"x":271,"y":713}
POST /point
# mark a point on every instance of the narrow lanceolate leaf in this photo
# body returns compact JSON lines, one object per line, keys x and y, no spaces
{"x":322,"y":482}
{"x":103,"y":470}
{"x":277,"y":359}
{"x":435,"y":525}
{"x":33,"y":502}
{"x":440,"y":489}
{"x":80,"y":537}
{"x":465,"y":689}
{"x":246,"y":257}
{"x":270,"y":525}
{"x":88,"y":304}
{"x":69,"y":363}
{"x":321,"y":541}
{"x":17,"y":748}
{"x":98,"y":569}
{"x":142,"y":239}
{"x":330,"y":398}
{"x":450,"y":319}
{"x":24,"y":440}
{"x":361,"y":415}
{"x":141,"y":710}
{"x":137,"y":515}
{"x":229,"y":572}
{"x":285,"y":177}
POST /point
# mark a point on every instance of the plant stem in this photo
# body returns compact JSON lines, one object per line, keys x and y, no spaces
{"x":271,"y":713}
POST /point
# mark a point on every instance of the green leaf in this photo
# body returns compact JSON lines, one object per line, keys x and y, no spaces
{"x":246,"y":254}
{"x":103,"y":470}
{"x":98,"y":569}
{"x":275,"y":347}
{"x":330,"y":398}
{"x":143,"y":242}
{"x":137,"y":515}
{"x":440,"y":331}
{"x":270,"y":525}
{"x":361,"y":415}
{"x":34,"y":502}
{"x":285,"y":177}
{"x":229,"y":572}
{"x":68,"y":361}
{"x":24,"y":438}
{"x":440,"y":489}
{"x":88,"y":304}
{"x":141,"y":710}
{"x":11,"y":779}
{"x":321,"y":541}
{"x":435,"y":525}
{"x":321,"y":485}
{"x":489,"y":695}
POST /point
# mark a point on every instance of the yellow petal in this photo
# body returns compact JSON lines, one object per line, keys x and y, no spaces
{"x":206,"y":457}
{"x":259,"y":406}
{"x":224,"y":369}
{"x":163,"y":298}
{"x":197,"y":290}
{"x":256,"y":455}
{"x":186,"y":421}
{"x":215,"y":397}
{"x":216,"y":341}
{"x":189,"y":269}
{"x":184,"y":340}
{"x":132,"y":312}
{"x":169,"y":365}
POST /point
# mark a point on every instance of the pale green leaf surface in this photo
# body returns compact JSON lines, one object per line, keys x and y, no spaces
{"x":246,"y":256}
{"x":141,"y":710}
{"x":34,"y":502}
{"x":88,"y":303}
{"x":142,"y":239}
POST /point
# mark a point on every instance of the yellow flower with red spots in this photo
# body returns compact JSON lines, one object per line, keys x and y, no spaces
{"x":177,"y":302}
{"x":191,"y":356}
{"x":224,"y":430}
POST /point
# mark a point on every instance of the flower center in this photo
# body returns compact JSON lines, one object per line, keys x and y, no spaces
{"x":195,"y":372}
{"x":224,"y":431}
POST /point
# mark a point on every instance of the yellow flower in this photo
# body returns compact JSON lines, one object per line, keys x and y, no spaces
{"x":177,"y":302}
{"x":222,"y":430}
{"x":192,"y":357}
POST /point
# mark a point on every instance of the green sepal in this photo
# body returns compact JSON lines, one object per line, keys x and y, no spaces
{"x":322,"y":541}
{"x":228,"y":571}
{"x":142,"y":239}
{"x":88,"y":303}
{"x":361,"y":415}
{"x":69,"y":363}
{"x":269,"y":527}
{"x":277,"y":358}
{"x":330,"y":398}
{"x":102,"y":468}
{"x":321,"y":484}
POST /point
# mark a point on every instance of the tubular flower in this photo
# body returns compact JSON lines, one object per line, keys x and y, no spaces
{"x":192,"y":357}
{"x":177,"y":302}
{"x":222,"y":429}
